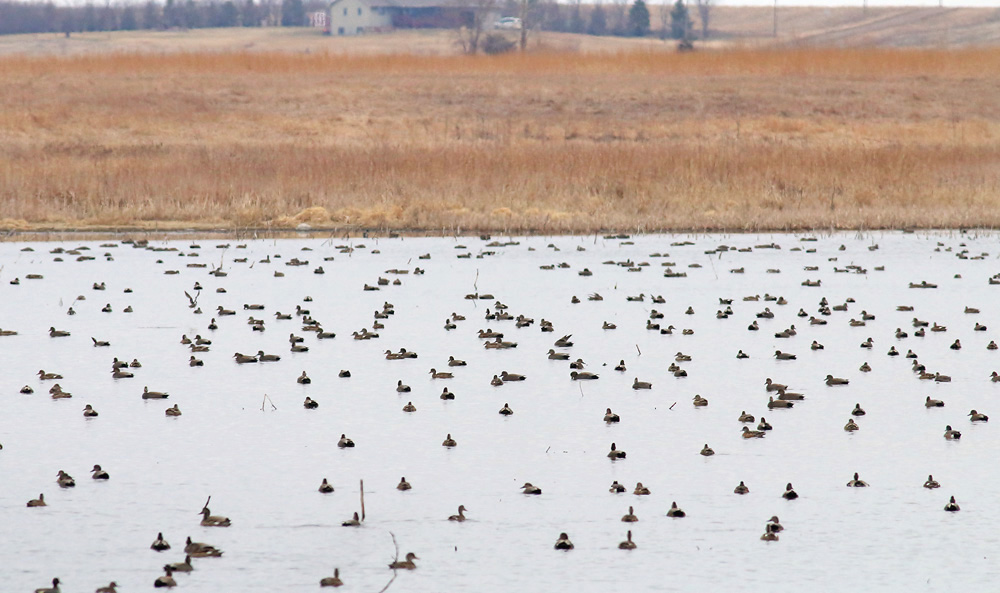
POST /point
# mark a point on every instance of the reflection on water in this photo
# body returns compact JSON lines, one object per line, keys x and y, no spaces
{"x":263,"y":459}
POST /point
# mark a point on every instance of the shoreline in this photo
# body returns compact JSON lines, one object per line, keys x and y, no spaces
{"x":47,"y":234}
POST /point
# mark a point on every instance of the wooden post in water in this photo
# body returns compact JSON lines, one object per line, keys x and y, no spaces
{"x":362,"y":500}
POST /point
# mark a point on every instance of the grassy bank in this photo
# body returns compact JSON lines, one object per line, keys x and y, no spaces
{"x":555,"y":142}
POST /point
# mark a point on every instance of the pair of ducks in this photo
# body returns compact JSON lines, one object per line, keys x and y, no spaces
{"x":771,"y":529}
{"x":497,"y":381}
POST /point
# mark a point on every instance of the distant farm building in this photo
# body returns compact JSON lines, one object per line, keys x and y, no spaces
{"x":356,"y":17}
{"x":317,"y":20}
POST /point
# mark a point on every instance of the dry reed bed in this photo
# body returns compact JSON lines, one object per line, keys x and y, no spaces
{"x":552,"y":142}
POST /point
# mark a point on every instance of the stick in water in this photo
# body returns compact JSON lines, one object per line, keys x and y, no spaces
{"x":362,"y":500}
{"x":395,"y":573}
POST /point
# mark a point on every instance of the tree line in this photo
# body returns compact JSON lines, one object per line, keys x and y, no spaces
{"x":620,"y":18}
{"x":616,"y":17}
{"x":47,"y":17}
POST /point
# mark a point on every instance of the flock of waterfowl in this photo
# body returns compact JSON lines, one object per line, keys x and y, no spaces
{"x":754,"y":344}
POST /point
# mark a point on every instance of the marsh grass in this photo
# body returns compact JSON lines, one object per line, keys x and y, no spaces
{"x":556,"y":142}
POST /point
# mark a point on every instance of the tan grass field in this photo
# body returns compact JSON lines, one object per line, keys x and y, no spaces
{"x":633,"y":139}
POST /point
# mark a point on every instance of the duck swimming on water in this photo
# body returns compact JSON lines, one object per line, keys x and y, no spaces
{"x":159,"y":544}
{"x":333,"y":581}
{"x":628,"y":544}
{"x":405,"y":564}
{"x":166,"y":580}
{"x":531,"y":489}
{"x":857,"y":482}
{"x":147,"y":394}
{"x":201,"y":550}
{"x":563,"y":543}
{"x":182,"y":566}
{"x":210,"y":520}
{"x":789,"y":493}
{"x":53,"y":589}
{"x":675,"y":512}
{"x":460,"y":517}
{"x":65,"y":480}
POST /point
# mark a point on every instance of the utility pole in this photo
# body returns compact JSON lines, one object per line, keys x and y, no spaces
{"x":774,"y":32}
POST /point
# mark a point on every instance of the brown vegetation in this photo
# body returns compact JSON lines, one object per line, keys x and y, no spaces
{"x":549,"y":141}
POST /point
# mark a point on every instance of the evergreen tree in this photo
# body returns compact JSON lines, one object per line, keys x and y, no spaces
{"x":293,"y":13}
{"x":638,"y":19}
{"x":229,"y":15}
{"x":680,"y":21}
{"x":598,"y":21}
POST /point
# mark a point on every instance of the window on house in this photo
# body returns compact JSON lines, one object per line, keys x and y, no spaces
{"x":340,"y":30}
{"x":359,"y":11}
{"x":361,"y":30}
{"x":345,"y":11}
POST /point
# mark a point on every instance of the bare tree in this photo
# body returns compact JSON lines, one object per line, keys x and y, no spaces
{"x":475,"y":17}
{"x":528,"y":12}
{"x":616,"y":16}
{"x":704,"y":12}
{"x":664,"y":20}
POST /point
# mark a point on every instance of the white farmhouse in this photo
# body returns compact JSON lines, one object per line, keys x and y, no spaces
{"x":356,"y":17}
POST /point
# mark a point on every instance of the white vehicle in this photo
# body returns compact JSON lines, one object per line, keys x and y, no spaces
{"x":510,"y":23}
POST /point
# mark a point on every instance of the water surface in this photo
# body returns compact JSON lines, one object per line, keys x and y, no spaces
{"x":262,"y":467}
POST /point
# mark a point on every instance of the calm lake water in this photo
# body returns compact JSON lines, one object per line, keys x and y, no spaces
{"x":262,"y":468}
